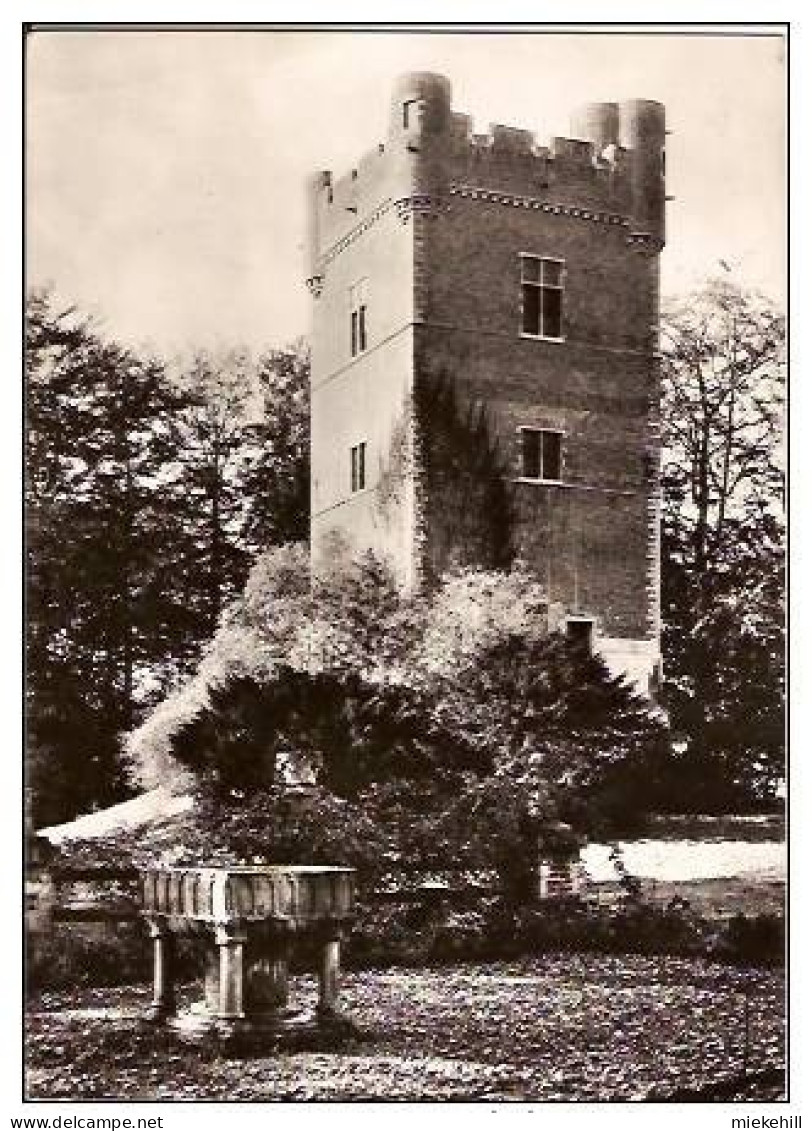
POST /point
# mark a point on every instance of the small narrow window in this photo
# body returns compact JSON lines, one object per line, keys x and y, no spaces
{"x":407,"y":113}
{"x":358,"y":317}
{"x":358,"y":467}
{"x":542,"y":282}
{"x":541,"y":454}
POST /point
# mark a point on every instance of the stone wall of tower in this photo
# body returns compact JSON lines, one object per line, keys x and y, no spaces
{"x":437,"y":219}
{"x":359,"y":227}
{"x":589,"y":539}
{"x":356,"y":234}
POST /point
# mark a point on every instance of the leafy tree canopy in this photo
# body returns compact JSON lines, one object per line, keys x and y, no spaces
{"x":723,"y":535}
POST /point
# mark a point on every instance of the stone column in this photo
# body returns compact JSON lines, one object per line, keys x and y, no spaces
{"x":211,"y":982}
{"x":329,"y":968}
{"x":230,"y":940}
{"x":163,"y":992}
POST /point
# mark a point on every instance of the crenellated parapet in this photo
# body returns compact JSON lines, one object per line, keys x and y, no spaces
{"x":611,"y":166}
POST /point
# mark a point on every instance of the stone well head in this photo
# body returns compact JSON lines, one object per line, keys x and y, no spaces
{"x":251,"y":916}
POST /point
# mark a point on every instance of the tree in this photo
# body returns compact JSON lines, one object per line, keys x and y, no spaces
{"x":276,"y":472}
{"x":146,"y":498}
{"x":217,"y":390}
{"x":723,"y":388}
{"x":101,"y":441}
{"x":375,"y":748}
{"x":244,"y":467}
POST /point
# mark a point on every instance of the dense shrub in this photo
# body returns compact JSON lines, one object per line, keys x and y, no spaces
{"x":750,"y":941}
{"x":470,"y":769}
{"x":450,"y":730}
{"x":420,"y":932}
{"x":87,"y":955}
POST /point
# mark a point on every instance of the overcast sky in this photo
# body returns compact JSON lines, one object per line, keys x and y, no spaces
{"x":166,"y":170}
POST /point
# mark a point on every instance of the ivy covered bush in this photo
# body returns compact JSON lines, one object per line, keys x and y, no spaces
{"x":338,"y":720}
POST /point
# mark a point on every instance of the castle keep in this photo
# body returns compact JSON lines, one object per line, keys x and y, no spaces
{"x":484,"y":366}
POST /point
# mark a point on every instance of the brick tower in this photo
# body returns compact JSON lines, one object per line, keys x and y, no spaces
{"x":484,"y":365}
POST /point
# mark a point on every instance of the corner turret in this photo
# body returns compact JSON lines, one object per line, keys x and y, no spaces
{"x":642,"y":132}
{"x":420,"y":109}
{"x":317,"y":185}
{"x":598,"y":122}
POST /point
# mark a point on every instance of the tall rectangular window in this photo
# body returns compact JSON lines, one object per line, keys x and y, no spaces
{"x":542,"y":283}
{"x":358,"y":317}
{"x":551,"y":455}
{"x":531,"y":453}
{"x":358,"y":467}
{"x":541,"y":454}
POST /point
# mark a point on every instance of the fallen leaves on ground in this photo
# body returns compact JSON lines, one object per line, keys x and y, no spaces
{"x":564,"y":1027}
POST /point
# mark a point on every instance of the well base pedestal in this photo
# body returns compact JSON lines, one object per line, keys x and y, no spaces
{"x":286,"y":1028}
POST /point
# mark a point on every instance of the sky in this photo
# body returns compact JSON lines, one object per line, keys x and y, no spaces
{"x":165,"y":170}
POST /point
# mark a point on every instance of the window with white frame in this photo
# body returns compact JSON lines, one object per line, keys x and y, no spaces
{"x":541,"y":454}
{"x":358,"y":471}
{"x":358,"y":317}
{"x":542,"y":297}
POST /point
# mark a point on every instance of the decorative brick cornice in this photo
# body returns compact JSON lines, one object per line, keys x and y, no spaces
{"x":421,"y":204}
{"x":534,"y":203}
{"x":426,"y":205}
{"x":644,"y":241}
{"x":354,"y":233}
{"x":640,"y":240}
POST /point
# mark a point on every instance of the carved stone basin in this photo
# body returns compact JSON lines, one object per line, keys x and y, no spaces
{"x":299,"y":895}
{"x":251,"y":916}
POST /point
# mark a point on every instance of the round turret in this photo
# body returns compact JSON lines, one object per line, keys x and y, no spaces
{"x":642,"y":132}
{"x":420,"y":107}
{"x":642,"y":124}
{"x":317,"y":185}
{"x":598,"y":122}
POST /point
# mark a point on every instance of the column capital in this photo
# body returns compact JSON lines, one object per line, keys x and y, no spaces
{"x":226,"y":933}
{"x":158,"y":928}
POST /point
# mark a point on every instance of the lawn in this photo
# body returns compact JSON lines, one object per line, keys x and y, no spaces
{"x":558,"y":1027}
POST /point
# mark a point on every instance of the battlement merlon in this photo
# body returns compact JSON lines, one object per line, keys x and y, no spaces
{"x":614,"y":159}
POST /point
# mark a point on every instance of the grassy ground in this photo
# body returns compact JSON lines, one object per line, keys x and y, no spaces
{"x":552,"y":1028}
